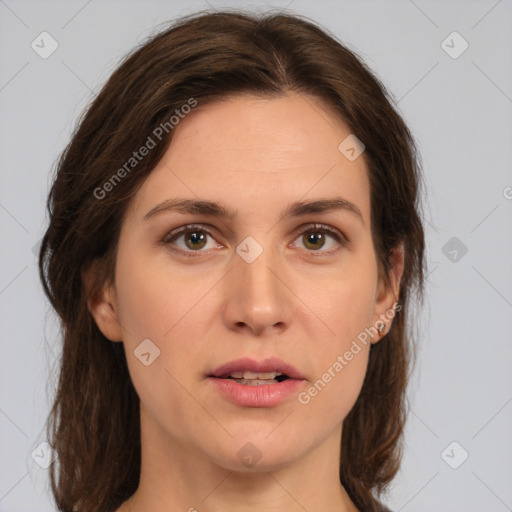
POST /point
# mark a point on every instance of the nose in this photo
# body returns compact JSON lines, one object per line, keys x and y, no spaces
{"x":257,"y":296}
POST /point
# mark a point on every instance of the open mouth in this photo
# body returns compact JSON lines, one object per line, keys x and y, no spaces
{"x":248,"y":382}
{"x":255,"y":379}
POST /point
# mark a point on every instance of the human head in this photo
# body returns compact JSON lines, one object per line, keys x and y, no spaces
{"x":206,"y":59}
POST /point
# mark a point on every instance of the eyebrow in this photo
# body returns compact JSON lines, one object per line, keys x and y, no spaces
{"x":213,"y":209}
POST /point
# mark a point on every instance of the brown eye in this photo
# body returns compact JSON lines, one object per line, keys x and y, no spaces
{"x":316,"y":237}
{"x":195,"y":239}
{"x":314,"y":240}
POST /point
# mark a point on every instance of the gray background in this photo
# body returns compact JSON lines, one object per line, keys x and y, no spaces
{"x":460,"y":110}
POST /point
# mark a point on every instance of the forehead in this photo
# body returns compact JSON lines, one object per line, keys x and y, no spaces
{"x":293,"y":126}
{"x":255,"y":153}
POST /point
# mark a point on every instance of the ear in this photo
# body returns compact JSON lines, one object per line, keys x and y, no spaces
{"x":101,"y":302}
{"x":387,"y":293}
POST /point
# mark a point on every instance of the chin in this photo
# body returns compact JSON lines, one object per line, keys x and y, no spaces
{"x":253,"y":453}
{"x":254,"y":462}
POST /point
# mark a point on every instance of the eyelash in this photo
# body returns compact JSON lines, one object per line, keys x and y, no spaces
{"x":314,"y":228}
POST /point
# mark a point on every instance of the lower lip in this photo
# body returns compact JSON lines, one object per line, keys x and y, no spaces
{"x":265,"y":395}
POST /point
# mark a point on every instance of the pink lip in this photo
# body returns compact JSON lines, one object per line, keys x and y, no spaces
{"x":266,"y":395}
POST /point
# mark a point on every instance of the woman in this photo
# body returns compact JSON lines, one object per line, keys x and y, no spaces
{"x":234,"y":241}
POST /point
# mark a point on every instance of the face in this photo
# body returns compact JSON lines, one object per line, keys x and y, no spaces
{"x":295,"y":288}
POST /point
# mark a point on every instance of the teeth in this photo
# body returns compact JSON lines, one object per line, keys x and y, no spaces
{"x":256,"y":382}
{"x":253,"y":376}
{"x":260,"y":376}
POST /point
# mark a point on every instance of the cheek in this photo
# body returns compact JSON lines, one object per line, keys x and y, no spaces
{"x":153,"y":304}
{"x":342,"y":359}
{"x":349,"y":302}
{"x":153,"y":299}
{"x":353,"y":310}
{"x":158,"y":302}
{"x":333,"y":394}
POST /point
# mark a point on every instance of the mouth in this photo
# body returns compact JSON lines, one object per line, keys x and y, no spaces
{"x":256,"y":373}
{"x":251,"y":383}
{"x":248,"y":378}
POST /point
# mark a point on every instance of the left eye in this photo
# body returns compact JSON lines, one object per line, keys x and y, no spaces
{"x":318,"y":234}
{"x":313,"y":238}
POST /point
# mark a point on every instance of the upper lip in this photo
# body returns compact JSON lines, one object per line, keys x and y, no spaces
{"x":267,"y":365}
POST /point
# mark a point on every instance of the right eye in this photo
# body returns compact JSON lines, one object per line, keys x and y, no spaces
{"x":195,"y":238}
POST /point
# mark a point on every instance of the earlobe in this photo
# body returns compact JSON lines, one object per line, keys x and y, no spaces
{"x":388,"y":293}
{"x":102,"y":305}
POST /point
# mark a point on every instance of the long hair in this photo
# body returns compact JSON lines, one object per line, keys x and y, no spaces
{"x":94,"y":423}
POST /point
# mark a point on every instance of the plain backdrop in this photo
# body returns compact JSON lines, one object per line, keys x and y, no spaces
{"x":457,"y":101}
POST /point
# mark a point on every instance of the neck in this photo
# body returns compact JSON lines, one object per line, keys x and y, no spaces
{"x":176,"y":477}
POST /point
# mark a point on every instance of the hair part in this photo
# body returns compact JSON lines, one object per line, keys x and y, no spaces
{"x":94,"y":423}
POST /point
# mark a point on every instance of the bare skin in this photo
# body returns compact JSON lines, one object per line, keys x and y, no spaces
{"x":303,"y":300}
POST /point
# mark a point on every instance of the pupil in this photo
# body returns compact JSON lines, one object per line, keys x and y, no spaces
{"x":312,"y":238}
{"x":195,"y":237}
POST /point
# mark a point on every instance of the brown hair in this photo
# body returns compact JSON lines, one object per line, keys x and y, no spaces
{"x":94,"y":423}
